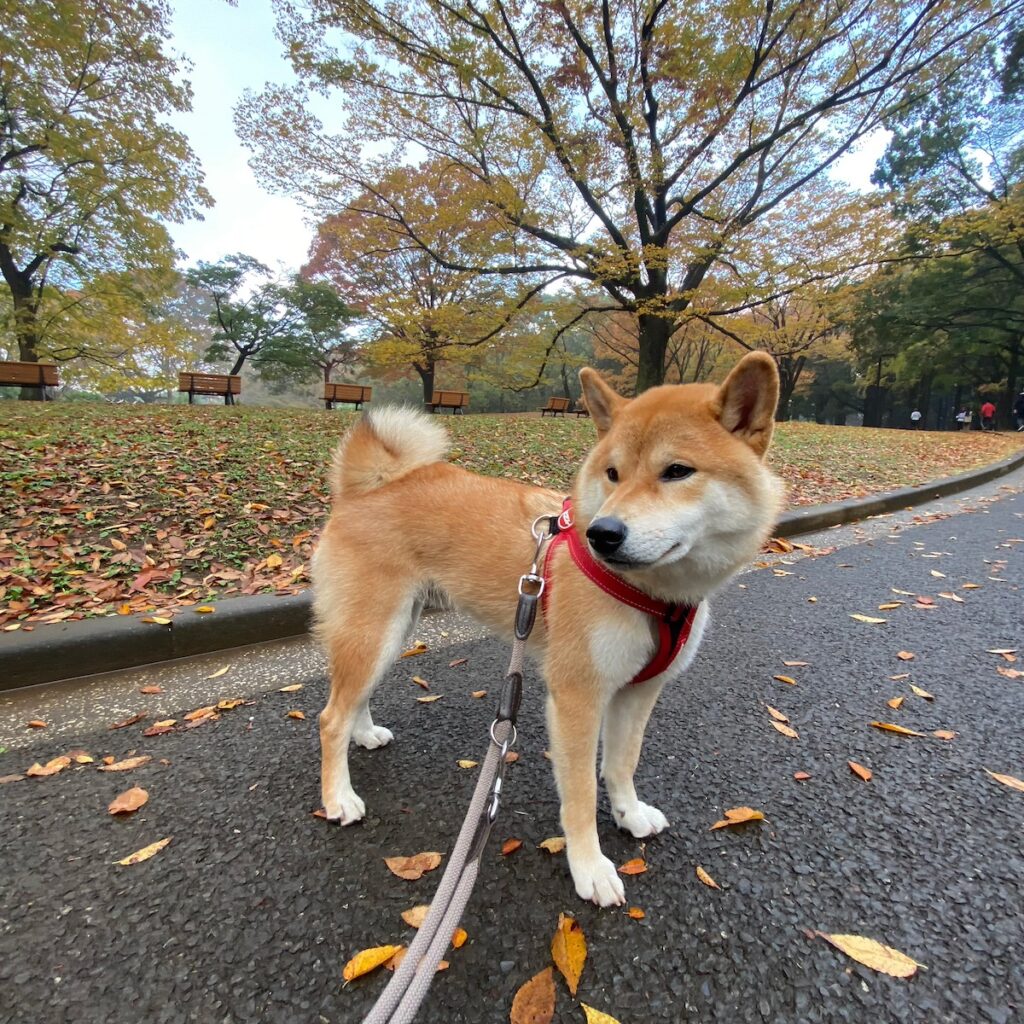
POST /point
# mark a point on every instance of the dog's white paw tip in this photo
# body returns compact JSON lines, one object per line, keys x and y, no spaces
{"x":373,"y":738}
{"x":642,"y":820}
{"x":346,"y":811}
{"x":599,"y":883}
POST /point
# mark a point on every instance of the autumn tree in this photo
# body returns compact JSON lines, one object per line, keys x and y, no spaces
{"x":90,"y":169}
{"x":625,"y":143}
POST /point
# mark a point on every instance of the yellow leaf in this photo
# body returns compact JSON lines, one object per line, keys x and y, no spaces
{"x":785,"y":730}
{"x":921,"y":693}
{"x":706,"y":878}
{"x":860,"y":770}
{"x":569,"y":950}
{"x":873,"y":954}
{"x":889,"y":727}
{"x":124,"y":609}
{"x":776,"y":714}
{"x":534,"y":1002}
{"x":430,"y":699}
{"x":971,"y":586}
{"x":209,"y":522}
{"x":205,"y":609}
{"x":229,"y":705}
{"x":145,"y":853}
{"x":467,"y":764}
{"x":421,"y":682}
{"x":417,"y":648}
{"x":738,"y":816}
{"x":597,"y":1016}
{"x":413,"y":867}
{"x":636,"y":913}
{"x":159,"y":620}
{"x":300,"y":715}
{"x":865,"y":618}
{"x":556,"y":844}
{"x":889,"y":606}
{"x":274,"y":561}
{"x":293,"y":688}
{"x":367,"y":960}
{"x":788,"y":680}
{"x":1007,"y":780}
{"x":118,"y":545}
{"x":218,"y":673}
{"x":896,"y":703}
{"x":636,"y":866}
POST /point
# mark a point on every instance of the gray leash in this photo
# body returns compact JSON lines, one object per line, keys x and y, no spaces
{"x":408,"y":987}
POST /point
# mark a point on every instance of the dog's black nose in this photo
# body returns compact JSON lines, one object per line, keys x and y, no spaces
{"x":606,"y":534}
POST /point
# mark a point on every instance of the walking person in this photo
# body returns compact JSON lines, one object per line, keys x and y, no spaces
{"x":915,"y":419}
{"x":963,"y":420}
{"x":1018,"y":411}
{"x":988,"y":416}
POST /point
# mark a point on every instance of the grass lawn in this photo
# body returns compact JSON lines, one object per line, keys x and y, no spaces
{"x":124,"y":509}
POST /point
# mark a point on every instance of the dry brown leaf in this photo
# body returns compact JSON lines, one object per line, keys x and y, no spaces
{"x":151,"y":689}
{"x":1007,"y":780}
{"x":109,"y":759}
{"x":776,"y":714}
{"x":534,"y":1002}
{"x":860,"y":771}
{"x":274,"y":561}
{"x":511,"y":757}
{"x":129,"y":721}
{"x":636,"y":913}
{"x":413,"y":867}
{"x":159,"y":728}
{"x":40,"y":771}
{"x":293,"y":688}
{"x":421,"y":682}
{"x":478,"y":694}
{"x":430,"y":699}
{"x":457,"y":662}
{"x":788,"y":680}
{"x":35,"y":723}
{"x":300,"y":715}
{"x":417,"y":648}
{"x":706,"y":878}
{"x":218,"y":673}
{"x":467,"y":764}
{"x":889,"y":606}
{"x":367,"y":960}
{"x":556,"y":844}
{"x":128,"y":801}
{"x":921,"y":693}
{"x":636,"y":866}
{"x":865,"y":618}
{"x":204,"y":712}
{"x":127,"y":764}
{"x":229,"y":704}
{"x":415,"y":916}
{"x":1010,"y":673}
{"x":874,"y":954}
{"x":4,"y":779}
{"x":801,"y":776}
{"x":319,"y":813}
{"x":796,"y":664}
{"x":898,"y":729}
{"x":944,"y":734}
{"x":905,"y":655}
{"x":145,"y":853}
{"x":510,"y":846}
{"x":569,"y":950}
{"x":785,"y":730}
{"x":896,"y":703}
{"x":738,"y":816}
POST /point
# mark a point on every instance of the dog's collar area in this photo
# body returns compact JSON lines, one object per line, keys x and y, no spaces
{"x":673,"y":621}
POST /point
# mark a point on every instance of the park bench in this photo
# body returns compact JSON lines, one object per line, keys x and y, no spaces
{"x":556,"y":407}
{"x":580,"y":408}
{"x":354,"y":393}
{"x":226,"y":385}
{"x":29,"y":375}
{"x":457,"y":401}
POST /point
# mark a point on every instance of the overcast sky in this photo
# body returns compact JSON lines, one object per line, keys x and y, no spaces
{"x":234,"y":48}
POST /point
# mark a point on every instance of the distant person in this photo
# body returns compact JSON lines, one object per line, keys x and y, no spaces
{"x":1018,"y":411}
{"x":963,"y":420}
{"x":988,"y":416}
{"x":915,"y":420}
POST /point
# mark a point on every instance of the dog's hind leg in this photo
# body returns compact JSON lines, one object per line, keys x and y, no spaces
{"x":360,"y":649}
{"x":622,"y":735}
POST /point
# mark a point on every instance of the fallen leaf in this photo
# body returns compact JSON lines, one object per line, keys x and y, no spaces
{"x":35,"y":723}
{"x":796,"y":664}
{"x":367,"y":960}
{"x":905,"y":593}
{"x":209,"y":522}
{"x":459,"y":938}
{"x":421,"y":682}
{"x":706,"y":878}
{"x":738,"y":816}
{"x":129,"y":721}
{"x":415,"y":916}
{"x":109,"y":759}
{"x":478,"y":694}
{"x":902,"y":675}
{"x":218,"y":673}
{"x":510,"y":846}
{"x":788,"y":680}
{"x":597,"y":1016}
{"x":785,"y":730}
{"x":921,"y":693}
{"x":889,"y":727}
{"x":159,"y":728}
{"x":865,"y":618}
{"x":1010,"y":673}
{"x":392,"y":963}
{"x":556,"y":844}
{"x":636,"y":913}
{"x":293,"y":688}
{"x":128,"y":801}
{"x":938,"y":575}
{"x":151,"y":689}
{"x":205,"y":609}
{"x":569,"y":950}
{"x":944,"y":734}
{"x":889,"y":606}
{"x":274,"y":561}
{"x":896,"y":702}
{"x":801,"y":776}
{"x":203,"y":712}
{"x":874,"y":954}
{"x":159,"y":620}
{"x":229,"y":705}
{"x":905,"y":655}
{"x":951,"y":597}
{"x":1007,"y":780}
{"x":417,"y":648}
{"x":40,"y":771}
{"x":430,"y":699}
{"x":457,"y":662}
{"x":511,"y":757}
{"x":860,"y":771}
{"x":127,"y":764}
{"x":970,"y":586}
{"x":534,"y":1002}
{"x":776,"y":714}
{"x":4,"y":779}
{"x":300,"y":715}
{"x":413,"y":867}
{"x":145,"y":853}
{"x":925,"y":602}
{"x":319,"y":813}
{"x":467,"y":764}
{"x":636,"y":866}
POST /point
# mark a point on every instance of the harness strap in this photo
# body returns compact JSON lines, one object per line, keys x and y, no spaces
{"x":673,"y":621}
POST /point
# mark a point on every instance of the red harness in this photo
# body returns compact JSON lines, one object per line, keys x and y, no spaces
{"x":674,"y":621}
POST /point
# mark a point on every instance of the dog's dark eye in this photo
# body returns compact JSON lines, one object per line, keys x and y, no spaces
{"x":613,"y":474}
{"x":677,"y":471}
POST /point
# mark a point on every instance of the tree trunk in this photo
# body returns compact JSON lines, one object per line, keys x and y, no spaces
{"x":426,"y":372}
{"x":26,"y":326}
{"x":654,"y":332}
{"x":239,"y":363}
{"x":1012,"y":373}
{"x":789,"y":373}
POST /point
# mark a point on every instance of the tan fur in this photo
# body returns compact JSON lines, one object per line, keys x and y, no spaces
{"x":398,"y":526}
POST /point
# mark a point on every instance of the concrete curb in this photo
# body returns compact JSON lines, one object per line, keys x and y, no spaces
{"x":70,"y":649}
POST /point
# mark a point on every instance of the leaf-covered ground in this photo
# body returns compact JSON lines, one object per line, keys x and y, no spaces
{"x":120,"y":509}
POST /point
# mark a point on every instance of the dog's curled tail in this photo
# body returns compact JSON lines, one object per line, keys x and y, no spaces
{"x":384,"y":445}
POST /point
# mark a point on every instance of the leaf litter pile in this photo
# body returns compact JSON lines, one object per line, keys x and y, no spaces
{"x":159,"y":510}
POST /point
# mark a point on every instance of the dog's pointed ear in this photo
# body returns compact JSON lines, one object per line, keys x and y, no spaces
{"x":748,"y":398}
{"x":602,"y":401}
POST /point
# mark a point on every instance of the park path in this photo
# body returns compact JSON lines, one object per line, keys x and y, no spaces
{"x":253,"y":908}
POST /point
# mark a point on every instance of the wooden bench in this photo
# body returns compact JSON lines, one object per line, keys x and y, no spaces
{"x":29,"y":375}
{"x":457,"y":401}
{"x":354,"y":393}
{"x":580,"y":408}
{"x":224,"y":384}
{"x":556,"y":407}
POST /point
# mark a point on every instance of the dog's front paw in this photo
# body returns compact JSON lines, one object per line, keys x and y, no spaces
{"x":346,"y":808}
{"x":374,"y":737}
{"x":597,"y":880}
{"x":640,"y":820}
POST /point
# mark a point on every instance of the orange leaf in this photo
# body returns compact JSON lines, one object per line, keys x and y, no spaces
{"x":706,"y":878}
{"x":58,"y":764}
{"x":860,"y":771}
{"x":534,"y":1002}
{"x":300,"y":715}
{"x":510,"y":846}
{"x":459,"y":938}
{"x":738,"y":816}
{"x":145,"y":853}
{"x":801,"y":776}
{"x":636,"y":913}
{"x":785,"y":679}
{"x":905,"y":655}
{"x":417,"y":648}
{"x":896,"y":702}
{"x":127,"y":764}
{"x":889,"y":727}
{"x":1007,"y":780}
{"x":511,"y":757}
{"x":636,"y":866}
{"x":193,"y":716}
{"x":944,"y":734}
{"x":478,"y":694}
{"x":151,"y":689}
{"x":413,"y":867}
{"x":128,"y":801}
{"x":569,"y":950}
{"x":36,"y":723}
{"x":128,"y":721}
{"x":367,"y":960}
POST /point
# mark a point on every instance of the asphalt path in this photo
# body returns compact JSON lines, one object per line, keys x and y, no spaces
{"x":251,"y":911}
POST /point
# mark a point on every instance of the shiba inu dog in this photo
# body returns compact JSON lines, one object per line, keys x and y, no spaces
{"x":673,"y":499}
